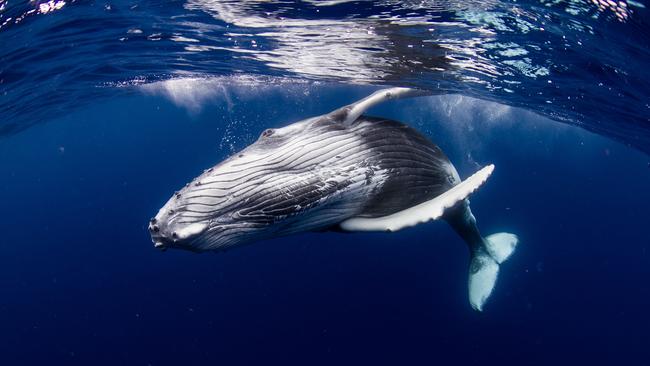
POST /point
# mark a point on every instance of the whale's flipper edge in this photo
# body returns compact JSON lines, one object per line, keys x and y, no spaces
{"x":350,"y":113}
{"x":484,"y":266}
{"x":423,"y":212}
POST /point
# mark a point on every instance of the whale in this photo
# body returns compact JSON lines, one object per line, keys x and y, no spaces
{"x":343,"y":171}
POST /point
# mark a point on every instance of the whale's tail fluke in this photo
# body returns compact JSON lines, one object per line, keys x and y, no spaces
{"x":484,"y":265}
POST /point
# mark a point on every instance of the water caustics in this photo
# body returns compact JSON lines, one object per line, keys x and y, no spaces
{"x":579,"y":62}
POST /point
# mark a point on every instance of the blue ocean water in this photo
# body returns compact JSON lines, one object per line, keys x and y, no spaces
{"x":106,"y":108}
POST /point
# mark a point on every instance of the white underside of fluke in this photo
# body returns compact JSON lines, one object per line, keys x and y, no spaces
{"x":425,"y":211}
{"x":484,"y":266}
{"x":483,"y":272}
{"x":501,"y":245}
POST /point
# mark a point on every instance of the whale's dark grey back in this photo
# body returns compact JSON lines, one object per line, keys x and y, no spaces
{"x":418,"y":170}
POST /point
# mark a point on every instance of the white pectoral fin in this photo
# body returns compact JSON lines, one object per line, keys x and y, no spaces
{"x":425,"y":211}
{"x":350,"y":113}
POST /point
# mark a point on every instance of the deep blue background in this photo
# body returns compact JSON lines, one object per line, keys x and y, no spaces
{"x":82,"y":284}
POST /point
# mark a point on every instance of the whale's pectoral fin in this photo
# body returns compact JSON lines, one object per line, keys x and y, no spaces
{"x":425,"y":211}
{"x":484,"y":266}
{"x":350,"y":113}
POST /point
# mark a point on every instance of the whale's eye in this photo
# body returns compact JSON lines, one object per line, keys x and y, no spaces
{"x":268,"y":132}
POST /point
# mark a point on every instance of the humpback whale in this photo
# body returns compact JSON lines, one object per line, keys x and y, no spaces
{"x":342,"y":171}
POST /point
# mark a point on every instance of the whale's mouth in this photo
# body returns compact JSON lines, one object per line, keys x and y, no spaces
{"x":163,"y":246}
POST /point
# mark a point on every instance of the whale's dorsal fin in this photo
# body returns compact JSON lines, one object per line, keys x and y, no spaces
{"x":350,"y":113}
{"x":425,"y":211}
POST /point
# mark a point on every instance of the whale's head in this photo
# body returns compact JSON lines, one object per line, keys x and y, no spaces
{"x":232,"y":203}
{"x":211,"y":213}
